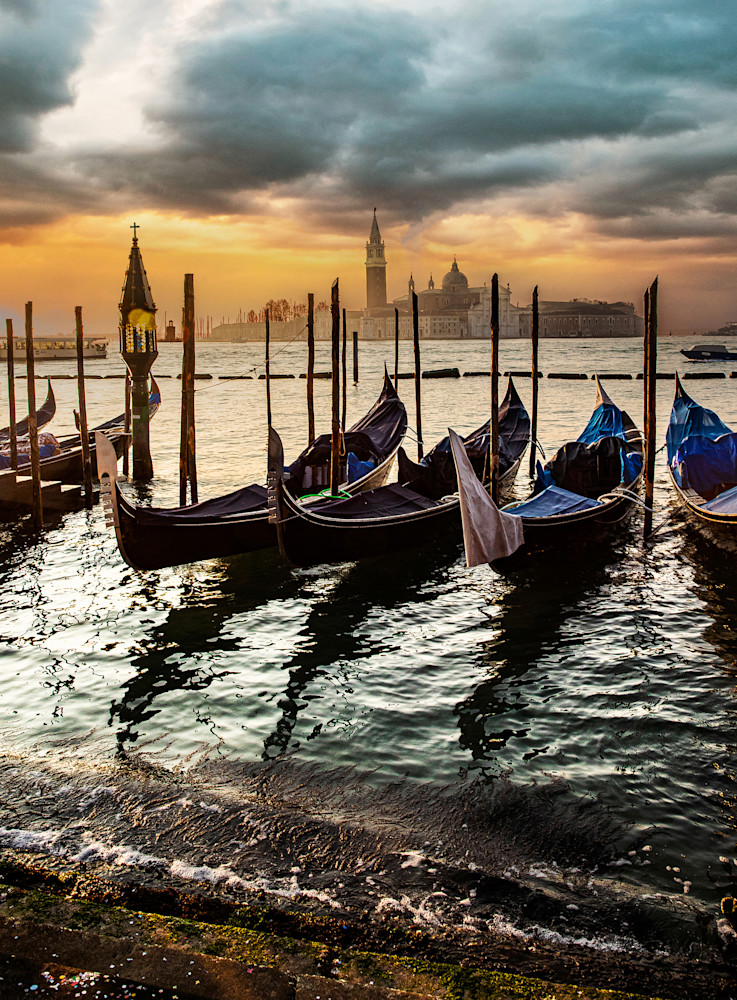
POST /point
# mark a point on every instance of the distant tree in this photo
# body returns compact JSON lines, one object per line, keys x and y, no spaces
{"x":252,"y":316}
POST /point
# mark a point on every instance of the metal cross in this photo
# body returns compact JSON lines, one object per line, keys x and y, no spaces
{"x":134,"y":227}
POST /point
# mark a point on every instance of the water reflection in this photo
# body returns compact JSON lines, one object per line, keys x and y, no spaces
{"x":531,"y":617}
{"x":178,"y":653}
{"x":713,"y":584}
{"x":331,"y":633}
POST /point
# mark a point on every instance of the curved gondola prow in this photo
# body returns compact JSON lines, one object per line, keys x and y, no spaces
{"x":107,"y":473}
{"x":44,"y":415}
{"x":602,"y":396}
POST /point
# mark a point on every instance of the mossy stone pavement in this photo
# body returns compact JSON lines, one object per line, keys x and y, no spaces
{"x":226,"y":962}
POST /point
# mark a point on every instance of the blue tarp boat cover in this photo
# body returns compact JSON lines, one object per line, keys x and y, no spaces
{"x":553,"y":500}
{"x":689,"y":419}
{"x":706,"y":465}
{"x":597,"y":461}
{"x":702,"y":449}
{"x":606,"y":421}
{"x":47,"y":446}
{"x":725,"y":503}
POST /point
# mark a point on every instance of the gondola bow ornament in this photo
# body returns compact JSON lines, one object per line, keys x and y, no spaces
{"x":488,"y":534}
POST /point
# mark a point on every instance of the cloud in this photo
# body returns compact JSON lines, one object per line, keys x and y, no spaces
{"x":616,"y":110}
{"x":41,"y":45}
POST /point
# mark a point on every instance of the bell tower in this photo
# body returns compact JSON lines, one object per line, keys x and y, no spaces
{"x":375,"y":268}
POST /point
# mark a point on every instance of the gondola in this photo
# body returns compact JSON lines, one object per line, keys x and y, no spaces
{"x":435,"y":475}
{"x":62,"y":459}
{"x":399,"y":515}
{"x":702,"y":463}
{"x":155,"y":537}
{"x":587,"y":484}
{"x":43,"y":415}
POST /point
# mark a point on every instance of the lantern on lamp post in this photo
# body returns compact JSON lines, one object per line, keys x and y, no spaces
{"x":139,"y":350}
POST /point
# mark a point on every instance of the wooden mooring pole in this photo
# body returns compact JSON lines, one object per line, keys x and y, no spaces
{"x":355,"y":356}
{"x":418,"y":373}
{"x":344,"y":378}
{"x":396,"y":346}
{"x":11,"y":395}
{"x":310,"y":368}
{"x":533,"y":373}
{"x":335,"y":428}
{"x":650,"y":382}
{"x":38,"y":516}
{"x":84,"y":435}
{"x":187,"y":445}
{"x":494,"y":421}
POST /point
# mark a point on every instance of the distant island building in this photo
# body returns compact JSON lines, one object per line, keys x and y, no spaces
{"x":456,"y":310}
{"x":583,"y":318}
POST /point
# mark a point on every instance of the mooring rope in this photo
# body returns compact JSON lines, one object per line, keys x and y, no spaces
{"x":255,"y":368}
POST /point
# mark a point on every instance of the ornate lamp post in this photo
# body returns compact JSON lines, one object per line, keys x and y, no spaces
{"x":139,"y":350}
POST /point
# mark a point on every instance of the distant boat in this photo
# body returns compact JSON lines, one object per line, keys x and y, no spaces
{"x":57,"y":348}
{"x":710,"y":352}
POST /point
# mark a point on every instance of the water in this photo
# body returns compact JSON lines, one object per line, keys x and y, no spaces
{"x":550,"y":754}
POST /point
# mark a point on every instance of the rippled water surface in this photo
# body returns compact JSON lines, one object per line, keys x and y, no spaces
{"x":606,"y":676}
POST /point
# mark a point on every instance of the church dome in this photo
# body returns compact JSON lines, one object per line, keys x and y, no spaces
{"x":455,"y":279}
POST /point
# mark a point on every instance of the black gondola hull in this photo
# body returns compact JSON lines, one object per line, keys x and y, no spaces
{"x":155,"y":542}
{"x":553,"y":537}
{"x":154,"y":538}
{"x":308,"y":539}
{"x":158,"y":545}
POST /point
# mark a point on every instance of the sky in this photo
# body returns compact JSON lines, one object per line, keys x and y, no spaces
{"x":583,"y":146}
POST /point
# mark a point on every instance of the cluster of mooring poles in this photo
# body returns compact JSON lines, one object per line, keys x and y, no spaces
{"x":34,"y":455}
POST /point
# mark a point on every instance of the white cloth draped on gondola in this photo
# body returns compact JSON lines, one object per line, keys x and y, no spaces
{"x":488,"y":534}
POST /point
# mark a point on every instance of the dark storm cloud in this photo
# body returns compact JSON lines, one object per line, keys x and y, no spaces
{"x":269,"y":105}
{"x":413,"y":113}
{"x":576,"y":109}
{"x":41,"y":44}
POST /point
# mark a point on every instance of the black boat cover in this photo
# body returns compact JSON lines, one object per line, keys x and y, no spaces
{"x":384,"y":501}
{"x":354,"y":442}
{"x":589,"y":469}
{"x":435,"y":475}
{"x":386,"y":421}
{"x":371,"y":440}
{"x":240,"y":501}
